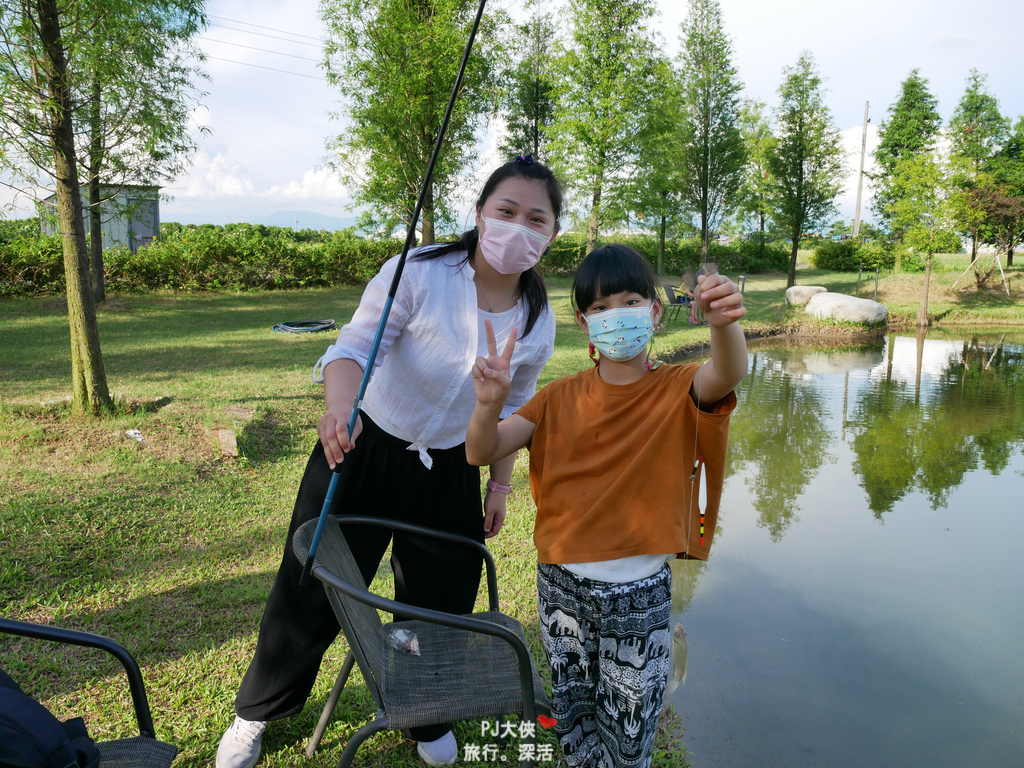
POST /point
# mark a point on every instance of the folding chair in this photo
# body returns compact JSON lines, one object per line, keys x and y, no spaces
{"x":676,"y":301}
{"x":470,"y":667}
{"x":142,"y":751}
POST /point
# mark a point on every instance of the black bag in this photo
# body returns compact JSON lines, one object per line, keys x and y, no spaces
{"x":31,"y":737}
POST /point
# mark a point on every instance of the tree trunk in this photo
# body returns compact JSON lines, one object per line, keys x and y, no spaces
{"x":791,"y":278}
{"x":762,"y":238}
{"x":980,"y":278}
{"x":89,"y":381}
{"x":922,"y":311}
{"x":661,"y":244}
{"x":1009,"y":256}
{"x":95,"y":223}
{"x":595,"y":217}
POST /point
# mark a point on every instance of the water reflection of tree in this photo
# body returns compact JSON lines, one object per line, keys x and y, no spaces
{"x":685,"y":578}
{"x":781,"y":435}
{"x":972,"y":416}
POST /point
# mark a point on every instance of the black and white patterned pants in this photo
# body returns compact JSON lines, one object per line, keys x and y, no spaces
{"x":609,"y":651}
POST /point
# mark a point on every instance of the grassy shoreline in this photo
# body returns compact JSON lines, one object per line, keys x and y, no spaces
{"x":171,"y":549}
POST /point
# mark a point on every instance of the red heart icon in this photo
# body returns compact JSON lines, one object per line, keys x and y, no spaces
{"x":545,"y":721}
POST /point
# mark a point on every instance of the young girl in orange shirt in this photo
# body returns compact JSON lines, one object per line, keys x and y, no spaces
{"x":615,"y":453}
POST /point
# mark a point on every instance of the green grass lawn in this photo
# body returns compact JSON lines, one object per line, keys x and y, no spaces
{"x":164,"y":546}
{"x":171,"y":550}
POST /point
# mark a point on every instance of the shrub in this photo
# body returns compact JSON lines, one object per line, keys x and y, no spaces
{"x":243,"y":257}
{"x":837,"y":255}
{"x":564,"y":255}
{"x":746,"y":257}
{"x":16,"y":229}
{"x":680,"y":254}
{"x":31,"y":265}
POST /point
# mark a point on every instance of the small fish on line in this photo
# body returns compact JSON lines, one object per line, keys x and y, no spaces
{"x":679,"y":660}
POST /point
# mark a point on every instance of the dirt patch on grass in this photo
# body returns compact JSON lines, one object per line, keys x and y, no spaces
{"x":50,"y":439}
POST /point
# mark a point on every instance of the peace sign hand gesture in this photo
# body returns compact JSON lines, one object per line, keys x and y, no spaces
{"x":491,"y":373}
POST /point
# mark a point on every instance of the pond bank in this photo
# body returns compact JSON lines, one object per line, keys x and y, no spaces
{"x":802,"y":327}
{"x":831,"y":333}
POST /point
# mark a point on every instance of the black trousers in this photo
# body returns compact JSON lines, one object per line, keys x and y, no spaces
{"x":378,"y":477}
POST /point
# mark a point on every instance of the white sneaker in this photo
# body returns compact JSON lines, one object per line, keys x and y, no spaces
{"x":443,"y":751}
{"x":240,"y":744}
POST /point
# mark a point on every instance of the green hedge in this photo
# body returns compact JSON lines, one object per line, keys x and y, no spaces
{"x":202,"y":258}
{"x":243,"y":257}
{"x":31,"y":265}
{"x":851,"y":255}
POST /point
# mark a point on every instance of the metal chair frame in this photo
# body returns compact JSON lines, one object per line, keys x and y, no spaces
{"x":137,"y":752}
{"x":676,"y":301}
{"x":338,"y":588}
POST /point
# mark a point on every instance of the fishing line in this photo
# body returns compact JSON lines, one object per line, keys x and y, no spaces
{"x":410,"y":238}
{"x":698,"y":462}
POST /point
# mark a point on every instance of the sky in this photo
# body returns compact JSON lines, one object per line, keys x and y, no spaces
{"x":269,"y":114}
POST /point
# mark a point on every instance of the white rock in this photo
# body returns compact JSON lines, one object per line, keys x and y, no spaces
{"x":798,"y":295}
{"x":831,"y":361}
{"x":838,"y":306}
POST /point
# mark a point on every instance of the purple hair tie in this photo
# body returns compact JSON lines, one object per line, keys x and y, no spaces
{"x":525,"y":159}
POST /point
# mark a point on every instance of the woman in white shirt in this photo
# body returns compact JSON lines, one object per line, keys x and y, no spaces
{"x":406,"y":459}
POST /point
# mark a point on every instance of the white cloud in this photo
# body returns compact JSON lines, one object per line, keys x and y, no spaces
{"x":268,"y":128}
{"x":219,"y":176}
{"x":317,"y":184}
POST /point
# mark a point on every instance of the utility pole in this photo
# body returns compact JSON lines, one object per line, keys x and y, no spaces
{"x":860,"y":176}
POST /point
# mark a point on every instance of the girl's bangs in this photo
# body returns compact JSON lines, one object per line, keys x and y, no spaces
{"x":610,"y":270}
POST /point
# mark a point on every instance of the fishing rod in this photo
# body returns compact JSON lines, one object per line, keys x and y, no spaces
{"x":410,"y":238}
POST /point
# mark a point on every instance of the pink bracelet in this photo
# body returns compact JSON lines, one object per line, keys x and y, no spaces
{"x":497,"y":488}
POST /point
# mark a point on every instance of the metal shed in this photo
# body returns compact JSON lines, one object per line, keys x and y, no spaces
{"x":129,"y":214}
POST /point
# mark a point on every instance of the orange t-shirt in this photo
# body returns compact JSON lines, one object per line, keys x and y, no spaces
{"x":610,"y":466}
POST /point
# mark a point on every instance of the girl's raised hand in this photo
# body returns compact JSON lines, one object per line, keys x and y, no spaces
{"x":491,"y":373}
{"x":720,"y":300}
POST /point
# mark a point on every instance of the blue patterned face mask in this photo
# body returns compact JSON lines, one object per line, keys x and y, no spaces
{"x":621,"y":334}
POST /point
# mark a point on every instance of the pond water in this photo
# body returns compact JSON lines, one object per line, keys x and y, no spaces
{"x":864,"y":600}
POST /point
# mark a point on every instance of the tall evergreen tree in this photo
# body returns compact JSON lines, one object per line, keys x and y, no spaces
{"x":396,"y":62}
{"x":807,"y":161}
{"x":977,"y":130}
{"x":605,"y":87}
{"x":527,"y":95}
{"x":911,"y":127}
{"x":713,"y":148}
{"x":754,"y":195}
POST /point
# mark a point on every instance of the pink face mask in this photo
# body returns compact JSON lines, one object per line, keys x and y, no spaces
{"x":511,"y":248}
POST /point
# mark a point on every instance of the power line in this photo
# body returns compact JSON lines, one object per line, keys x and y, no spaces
{"x":285,"y":71}
{"x":264,"y":50}
{"x":260,"y":34}
{"x":271,"y":29}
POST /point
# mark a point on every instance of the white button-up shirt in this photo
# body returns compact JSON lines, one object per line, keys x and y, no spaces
{"x":422,"y":390}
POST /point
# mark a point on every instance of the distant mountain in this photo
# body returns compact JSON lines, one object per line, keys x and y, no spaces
{"x":305,"y":220}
